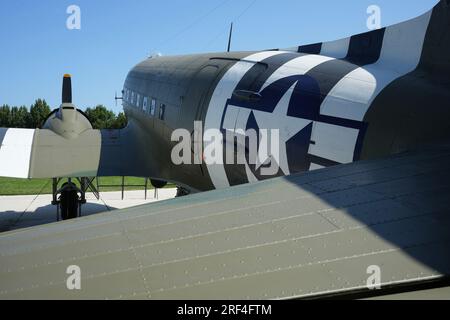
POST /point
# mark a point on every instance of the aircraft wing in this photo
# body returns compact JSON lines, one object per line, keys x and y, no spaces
{"x":318,"y":234}
{"x":43,"y":153}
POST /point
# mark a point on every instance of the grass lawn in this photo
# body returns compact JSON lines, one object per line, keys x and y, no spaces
{"x":9,"y":187}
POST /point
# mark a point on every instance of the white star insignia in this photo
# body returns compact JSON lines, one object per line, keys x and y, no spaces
{"x":287,"y":126}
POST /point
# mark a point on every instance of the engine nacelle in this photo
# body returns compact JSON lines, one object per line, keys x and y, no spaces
{"x":67,"y":121}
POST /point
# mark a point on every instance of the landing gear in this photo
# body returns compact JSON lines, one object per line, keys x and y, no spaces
{"x":69,"y":198}
{"x":69,"y":201}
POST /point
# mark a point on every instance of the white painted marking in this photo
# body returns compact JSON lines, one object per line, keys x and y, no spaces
{"x":297,"y":66}
{"x":401,"y":52}
{"x":333,"y":142}
{"x":350,"y":98}
{"x":223,"y":91}
{"x":314,"y":166}
{"x":229,"y":121}
{"x":15,"y":153}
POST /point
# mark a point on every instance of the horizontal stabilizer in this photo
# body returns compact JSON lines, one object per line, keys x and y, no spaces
{"x":15,"y":152}
{"x":28,"y":153}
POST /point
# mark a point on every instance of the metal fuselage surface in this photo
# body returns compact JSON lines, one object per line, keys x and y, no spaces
{"x":364,"y":97}
{"x":176,"y":91}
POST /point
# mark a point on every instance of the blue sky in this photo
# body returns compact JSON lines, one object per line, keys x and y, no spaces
{"x":37,"y":48}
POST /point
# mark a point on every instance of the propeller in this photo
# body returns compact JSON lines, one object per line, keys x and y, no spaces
{"x":67,"y":121}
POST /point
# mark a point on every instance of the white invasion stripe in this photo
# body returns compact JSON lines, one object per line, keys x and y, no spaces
{"x":222,"y":93}
{"x":15,"y":153}
{"x":333,"y":142}
{"x":400,"y":54}
{"x":314,"y":166}
{"x":241,"y":119}
{"x":229,"y":121}
{"x":297,"y":66}
{"x":236,"y":121}
{"x":241,"y":124}
{"x":337,"y":49}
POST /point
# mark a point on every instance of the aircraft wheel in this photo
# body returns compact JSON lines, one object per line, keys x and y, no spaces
{"x":158,"y":184}
{"x":69,"y":204}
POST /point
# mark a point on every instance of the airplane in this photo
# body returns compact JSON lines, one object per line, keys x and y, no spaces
{"x":359,"y":102}
{"x":357,"y":98}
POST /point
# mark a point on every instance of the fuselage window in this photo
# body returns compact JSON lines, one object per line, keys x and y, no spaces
{"x":132,"y":97}
{"x":153,"y":107}
{"x":162,"y":111}
{"x":145,"y":104}
{"x":138,"y":101}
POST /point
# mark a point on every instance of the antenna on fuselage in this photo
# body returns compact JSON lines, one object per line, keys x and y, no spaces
{"x":118,"y":98}
{"x":229,"y":38}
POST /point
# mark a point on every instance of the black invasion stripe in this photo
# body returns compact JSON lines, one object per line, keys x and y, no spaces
{"x":329,"y":73}
{"x":427,"y":99}
{"x":255,"y":78}
{"x":2,"y":135}
{"x":365,"y":48}
{"x":311,"y":48}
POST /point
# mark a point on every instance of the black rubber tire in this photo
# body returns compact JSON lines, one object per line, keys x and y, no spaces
{"x":158,"y":184}
{"x":69,"y":204}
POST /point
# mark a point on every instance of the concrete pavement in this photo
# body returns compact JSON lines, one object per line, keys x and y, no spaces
{"x":18,"y":212}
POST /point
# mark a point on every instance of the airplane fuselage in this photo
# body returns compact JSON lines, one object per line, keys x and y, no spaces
{"x":360,"y":98}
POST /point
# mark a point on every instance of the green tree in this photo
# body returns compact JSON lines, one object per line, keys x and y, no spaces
{"x":38,"y":113}
{"x":19,"y":117}
{"x":101,"y":117}
{"x":120,"y":122}
{"x":5,"y":116}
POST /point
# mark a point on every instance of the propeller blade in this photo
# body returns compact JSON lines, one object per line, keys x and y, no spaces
{"x":67,"y":89}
